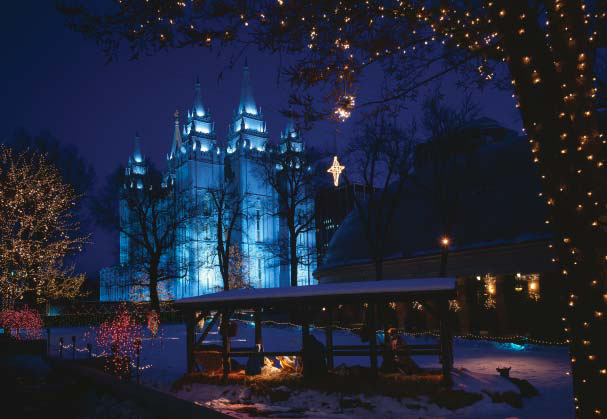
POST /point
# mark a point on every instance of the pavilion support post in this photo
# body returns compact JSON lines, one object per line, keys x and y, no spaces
{"x":504,"y":290}
{"x":465,"y":299}
{"x":372,"y":323}
{"x":329,"y":337}
{"x":446,"y":340}
{"x":432,"y":313}
{"x":190,"y":324}
{"x":401,"y":314}
{"x":305,"y":324}
{"x":387,"y":355}
{"x":257,"y":319}
{"x":305,"y":333}
{"x":225,"y":339}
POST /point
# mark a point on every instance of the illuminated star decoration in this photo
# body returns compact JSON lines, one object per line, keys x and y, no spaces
{"x":336,"y":170}
{"x":345,"y":105}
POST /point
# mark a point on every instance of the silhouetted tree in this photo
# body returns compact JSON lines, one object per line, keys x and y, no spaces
{"x":291,"y":174}
{"x":226,"y":218}
{"x":151,"y":219}
{"x":443,"y":160}
{"x":382,"y":155}
{"x":72,"y":167}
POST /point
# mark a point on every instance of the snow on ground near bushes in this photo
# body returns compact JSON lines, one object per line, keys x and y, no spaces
{"x":545,"y":367}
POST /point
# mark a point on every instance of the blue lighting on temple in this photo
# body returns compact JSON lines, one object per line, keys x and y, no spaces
{"x":192,"y":170}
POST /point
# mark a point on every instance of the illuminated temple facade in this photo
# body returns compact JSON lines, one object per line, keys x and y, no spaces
{"x":196,"y":163}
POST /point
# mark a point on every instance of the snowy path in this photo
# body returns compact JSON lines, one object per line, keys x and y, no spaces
{"x":545,"y":367}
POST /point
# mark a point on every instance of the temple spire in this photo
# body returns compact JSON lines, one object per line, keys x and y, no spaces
{"x":176,"y":134}
{"x":247,"y":102}
{"x":137,"y":156}
{"x":290,"y":127}
{"x":198,"y":109}
{"x":290,"y":139}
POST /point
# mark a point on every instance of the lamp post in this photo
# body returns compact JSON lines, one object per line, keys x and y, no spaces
{"x":445,"y":242}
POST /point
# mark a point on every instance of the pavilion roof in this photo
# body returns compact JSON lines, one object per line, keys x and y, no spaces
{"x":335,"y":293}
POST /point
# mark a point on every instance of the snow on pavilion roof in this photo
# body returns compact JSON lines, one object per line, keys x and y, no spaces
{"x":331,"y":292}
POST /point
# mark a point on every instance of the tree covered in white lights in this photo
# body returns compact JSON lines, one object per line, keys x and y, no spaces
{"x":38,"y":231}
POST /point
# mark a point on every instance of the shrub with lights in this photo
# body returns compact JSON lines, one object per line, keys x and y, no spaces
{"x":22,"y":324}
{"x":153,"y":322}
{"x":120,"y":337}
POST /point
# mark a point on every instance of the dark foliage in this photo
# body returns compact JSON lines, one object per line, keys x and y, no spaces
{"x":66,"y":158}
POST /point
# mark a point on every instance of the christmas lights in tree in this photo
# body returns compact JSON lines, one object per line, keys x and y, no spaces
{"x":37,"y":231}
{"x":25,"y":323}
{"x":120,"y":335}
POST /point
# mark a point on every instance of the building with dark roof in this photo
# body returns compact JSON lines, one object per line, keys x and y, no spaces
{"x":332,"y":206}
{"x":499,"y":242}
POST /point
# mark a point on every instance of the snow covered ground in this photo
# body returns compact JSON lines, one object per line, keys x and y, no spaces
{"x":546,"y":368}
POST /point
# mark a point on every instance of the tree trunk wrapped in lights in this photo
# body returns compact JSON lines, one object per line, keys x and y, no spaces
{"x":555,"y":94}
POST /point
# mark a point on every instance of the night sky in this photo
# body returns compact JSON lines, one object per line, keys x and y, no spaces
{"x":54,"y":79}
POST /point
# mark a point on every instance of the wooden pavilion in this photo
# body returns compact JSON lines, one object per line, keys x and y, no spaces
{"x":433,"y":293}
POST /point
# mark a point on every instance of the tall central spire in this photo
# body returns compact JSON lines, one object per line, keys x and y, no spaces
{"x":248,"y":127}
{"x":137,"y":156}
{"x":198,"y":108}
{"x":137,"y":164}
{"x":247,"y":102}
